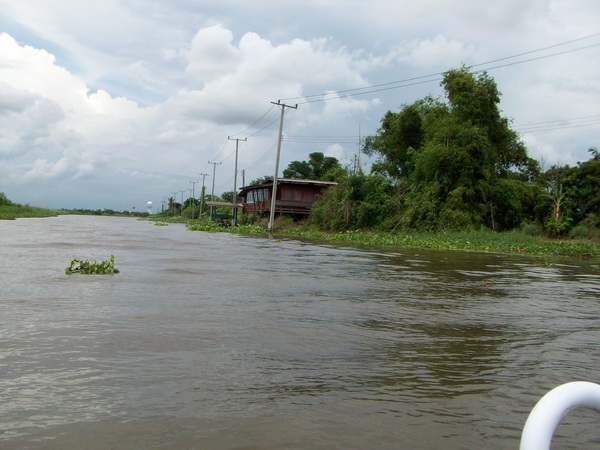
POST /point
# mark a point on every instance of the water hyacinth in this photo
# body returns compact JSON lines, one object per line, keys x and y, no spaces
{"x":92,"y":267}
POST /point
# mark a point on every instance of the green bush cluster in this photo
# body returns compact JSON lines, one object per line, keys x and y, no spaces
{"x":92,"y":267}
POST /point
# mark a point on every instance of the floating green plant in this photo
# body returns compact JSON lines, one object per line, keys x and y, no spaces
{"x":92,"y":267}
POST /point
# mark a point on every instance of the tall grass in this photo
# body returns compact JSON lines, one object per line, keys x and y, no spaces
{"x":13,"y":211}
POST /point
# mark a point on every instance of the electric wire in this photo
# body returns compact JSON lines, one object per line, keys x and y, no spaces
{"x":256,"y":122}
{"x":345,"y":93}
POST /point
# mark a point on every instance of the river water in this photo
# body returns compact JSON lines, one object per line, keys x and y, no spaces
{"x":226,"y":341}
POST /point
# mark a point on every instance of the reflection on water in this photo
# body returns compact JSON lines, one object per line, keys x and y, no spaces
{"x":216,"y":340}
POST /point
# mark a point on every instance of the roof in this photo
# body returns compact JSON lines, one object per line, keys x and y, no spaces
{"x":269,"y":182}
{"x":224,"y":204}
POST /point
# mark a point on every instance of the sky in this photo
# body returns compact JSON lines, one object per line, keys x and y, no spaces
{"x":109,"y":105}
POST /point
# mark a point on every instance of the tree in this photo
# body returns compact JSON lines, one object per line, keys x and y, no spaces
{"x":259,"y":180}
{"x":579,"y":195}
{"x":227,"y":196}
{"x":4,"y":201}
{"x":318,"y":167}
{"x":357,"y":201}
{"x":400,"y":136}
{"x":475,"y":99}
{"x":463,"y":165}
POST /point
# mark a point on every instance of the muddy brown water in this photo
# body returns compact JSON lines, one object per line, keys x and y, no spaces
{"x":226,"y":341}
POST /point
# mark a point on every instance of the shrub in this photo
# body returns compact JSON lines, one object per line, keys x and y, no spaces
{"x":583,"y":231}
{"x":531,"y":229}
{"x":557,"y":228}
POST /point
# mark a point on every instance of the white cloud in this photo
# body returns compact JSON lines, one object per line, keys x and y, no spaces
{"x":212,"y":55}
{"x":114,"y":99}
{"x":439,"y":51}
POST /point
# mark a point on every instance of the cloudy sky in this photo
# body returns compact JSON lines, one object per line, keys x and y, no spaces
{"x":111,"y":104}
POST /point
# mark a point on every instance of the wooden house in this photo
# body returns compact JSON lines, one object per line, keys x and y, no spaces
{"x":294,"y":197}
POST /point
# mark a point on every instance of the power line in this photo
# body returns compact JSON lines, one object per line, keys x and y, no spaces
{"x":338,"y":94}
{"x":574,"y":119}
{"x":555,"y":125}
{"x":538,"y":50}
{"x":322,"y":139}
{"x":258,"y":120}
{"x":264,"y":128}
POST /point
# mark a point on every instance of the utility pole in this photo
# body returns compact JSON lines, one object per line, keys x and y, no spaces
{"x":193,"y":193}
{"x":212,"y":194}
{"x":163,"y":204}
{"x":234,"y":209}
{"x":204,"y":175}
{"x":181,"y":201}
{"x":358,"y":153}
{"x":274,"y":194}
{"x":174,"y":200}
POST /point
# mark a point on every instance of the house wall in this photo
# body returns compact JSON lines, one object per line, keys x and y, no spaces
{"x":291,"y":199}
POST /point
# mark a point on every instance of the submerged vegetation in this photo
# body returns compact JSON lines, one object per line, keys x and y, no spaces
{"x":92,"y":267}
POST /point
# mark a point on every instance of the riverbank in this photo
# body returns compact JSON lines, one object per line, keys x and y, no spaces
{"x":12,"y":212}
{"x":512,"y":242}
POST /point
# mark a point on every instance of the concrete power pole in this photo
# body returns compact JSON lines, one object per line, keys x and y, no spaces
{"x":358,"y":152}
{"x":274,"y":194}
{"x":212,"y":194}
{"x":234,"y":209}
{"x":204,"y":175}
{"x":193,"y":194}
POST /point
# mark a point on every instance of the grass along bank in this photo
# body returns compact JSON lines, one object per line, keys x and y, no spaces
{"x":11,"y":212}
{"x":513,"y":242}
{"x":484,"y":241}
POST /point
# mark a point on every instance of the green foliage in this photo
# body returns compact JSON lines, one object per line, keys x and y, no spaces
{"x":166,"y":219}
{"x":582,"y":186}
{"x":318,"y":167}
{"x":259,"y":180}
{"x":531,"y":229}
{"x":583,"y":232}
{"x":511,"y":242}
{"x":227,"y":196}
{"x":457,"y":165}
{"x":11,"y":211}
{"x":571,"y":197}
{"x":91,"y":267}
{"x":210,"y":226}
{"x":557,"y":227}
{"x":358,"y":201}
{"x":401,"y":137}
{"x":4,"y":201}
